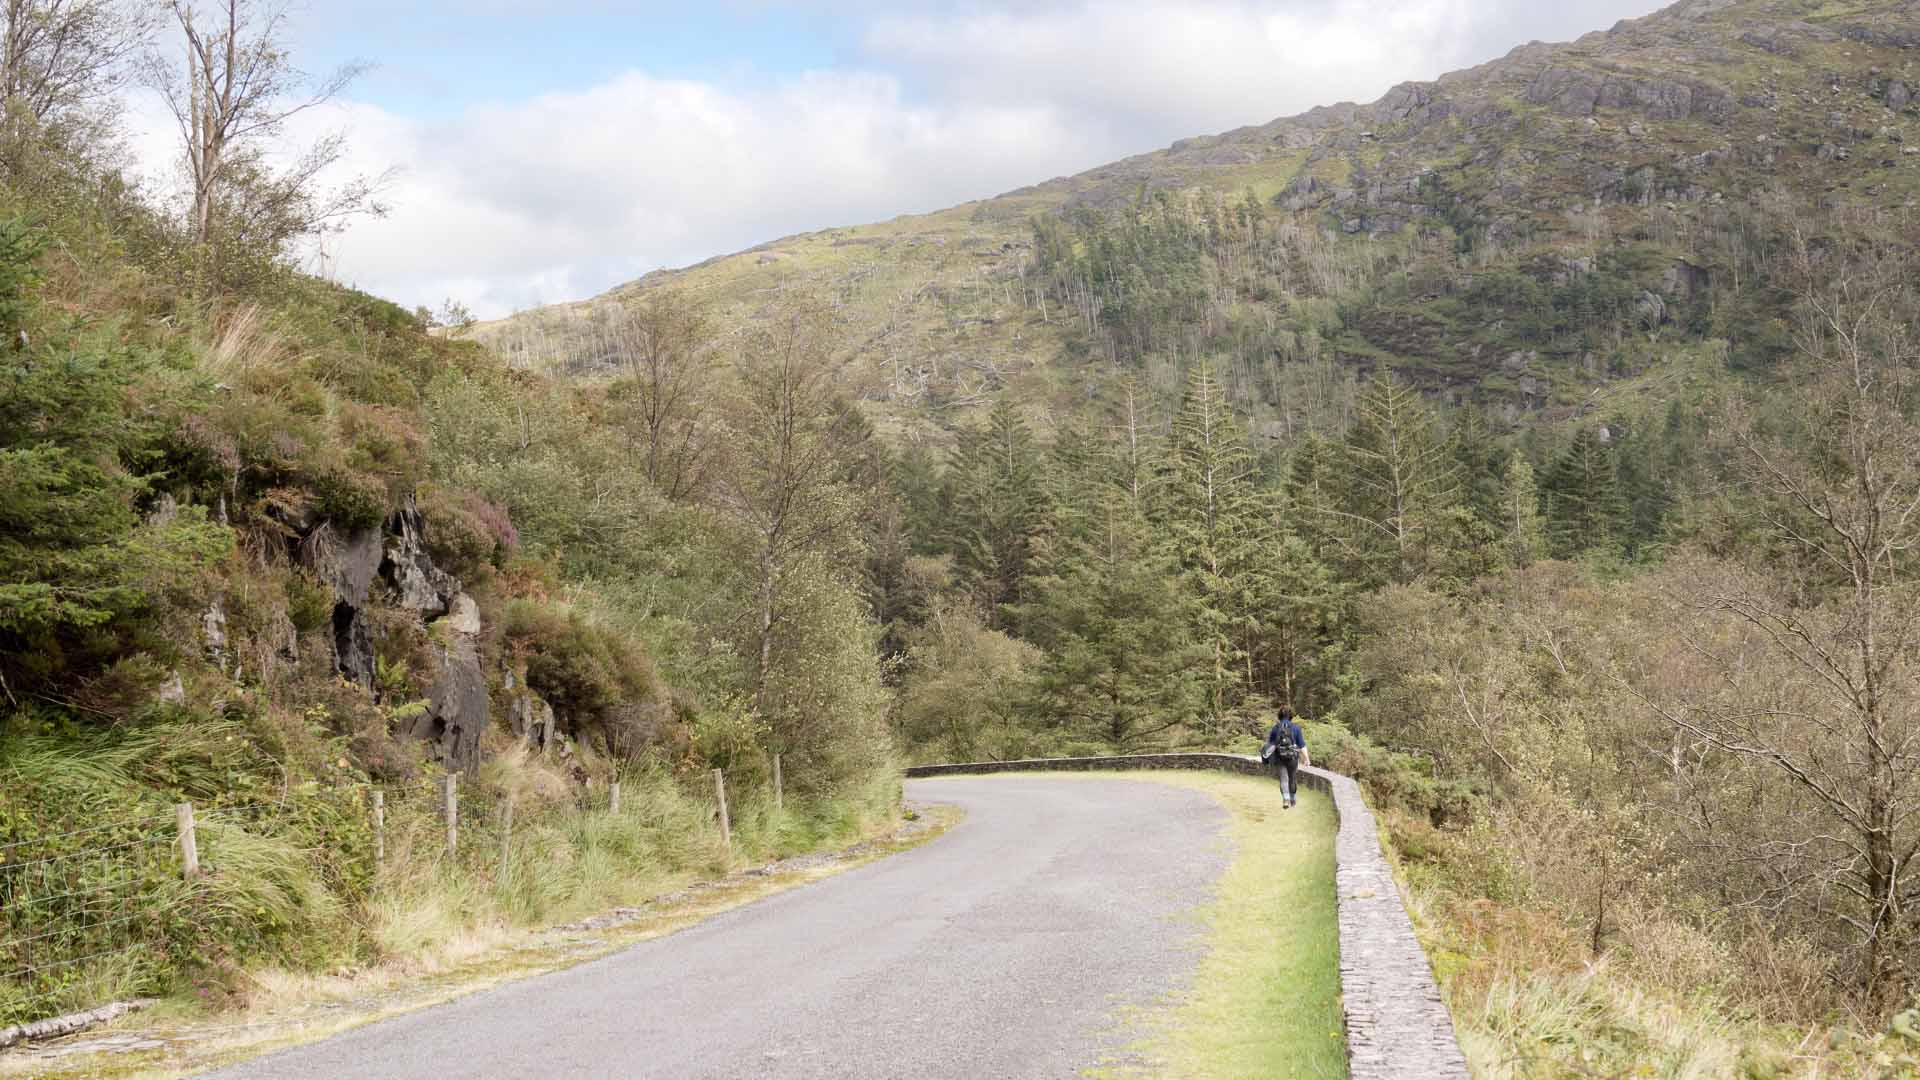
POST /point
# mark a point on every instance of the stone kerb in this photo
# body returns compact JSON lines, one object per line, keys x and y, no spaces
{"x":1397,"y":1023}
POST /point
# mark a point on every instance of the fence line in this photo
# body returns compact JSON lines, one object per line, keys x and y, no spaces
{"x":65,"y":912}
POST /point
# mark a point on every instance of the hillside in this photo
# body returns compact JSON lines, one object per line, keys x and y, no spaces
{"x":1564,"y":222}
{"x":1543,"y":436}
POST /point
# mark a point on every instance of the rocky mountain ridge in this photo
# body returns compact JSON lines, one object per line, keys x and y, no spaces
{"x":1624,"y":151}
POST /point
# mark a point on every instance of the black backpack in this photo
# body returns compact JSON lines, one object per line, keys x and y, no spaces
{"x":1286,"y":751}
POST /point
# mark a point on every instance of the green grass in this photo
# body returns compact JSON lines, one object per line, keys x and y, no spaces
{"x":1265,"y":999}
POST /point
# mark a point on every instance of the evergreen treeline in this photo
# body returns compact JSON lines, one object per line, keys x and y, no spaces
{"x":1178,"y":586}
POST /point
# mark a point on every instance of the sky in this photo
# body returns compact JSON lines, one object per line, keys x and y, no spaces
{"x":547,"y":151}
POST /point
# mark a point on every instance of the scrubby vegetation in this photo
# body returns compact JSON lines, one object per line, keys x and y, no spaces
{"x":268,"y":545}
{"x":1542,"y":432}
{"x":1569,"y":500}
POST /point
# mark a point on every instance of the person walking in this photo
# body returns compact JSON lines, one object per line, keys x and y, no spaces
{"x":1286,"y":751}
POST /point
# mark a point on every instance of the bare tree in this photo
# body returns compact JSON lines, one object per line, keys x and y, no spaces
{"x":663,"y":346}
{"x":230,"y":99}
{"x":58,"y":55}
{"x":788,"y":425}
{"x":1826,"y":694}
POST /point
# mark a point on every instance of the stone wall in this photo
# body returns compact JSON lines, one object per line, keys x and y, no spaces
{"x":1397,"y":1024}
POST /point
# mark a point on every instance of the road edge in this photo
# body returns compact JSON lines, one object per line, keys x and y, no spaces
{"x":1397,"y":1024}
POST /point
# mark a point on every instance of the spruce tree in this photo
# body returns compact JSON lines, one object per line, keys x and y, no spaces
{"x":1122,"y":667}
{"x":1585,"y":510}
{"x":1401,"y":479}
{"x":1215,"y":523}
{"x":994,"y":507}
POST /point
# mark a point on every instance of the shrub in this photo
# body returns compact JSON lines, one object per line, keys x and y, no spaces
{"x":350,"y":500}
{"x":466,"y":535}
{"x":596,"y":679}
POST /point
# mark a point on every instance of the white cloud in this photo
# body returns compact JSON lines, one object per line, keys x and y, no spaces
{"x":563,"y":195}
{"x":1169,"y":69}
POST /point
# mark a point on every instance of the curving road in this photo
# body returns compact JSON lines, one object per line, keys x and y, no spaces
{"x":1006,"y":948}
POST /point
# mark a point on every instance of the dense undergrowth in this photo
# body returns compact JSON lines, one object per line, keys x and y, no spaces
{"x":269,"y":548}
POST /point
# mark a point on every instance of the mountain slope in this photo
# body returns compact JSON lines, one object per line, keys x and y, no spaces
{"x":1560,"y":223}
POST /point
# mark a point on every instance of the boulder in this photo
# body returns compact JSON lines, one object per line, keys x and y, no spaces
{"x":165,"y":509}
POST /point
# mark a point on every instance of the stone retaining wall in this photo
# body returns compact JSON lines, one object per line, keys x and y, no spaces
{"x":1397,"y":1024}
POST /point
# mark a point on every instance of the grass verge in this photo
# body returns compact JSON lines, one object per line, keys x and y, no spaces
{"x":1265,"y":998}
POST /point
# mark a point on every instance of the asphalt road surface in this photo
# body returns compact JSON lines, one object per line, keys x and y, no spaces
{"x":1013,"y":946}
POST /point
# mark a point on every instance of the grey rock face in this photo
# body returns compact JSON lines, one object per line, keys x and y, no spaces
{"x":458,"y":705}
{"x":352,"y":644}
{"x":1683,"y":280}
{"x":531,"y":719}
{"x":348,"y":563}
{"x":418,"y":585}
{"x":1892,"y":30}
{"x":1898,"y":96}
{"x":1575,"y":92}
{"x":284,"y":637}
{"x":463,"y":616}
{"x":1419,"y":102}
{"x":213,"y":632}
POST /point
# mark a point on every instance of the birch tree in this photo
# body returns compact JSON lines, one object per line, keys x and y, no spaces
{"x":1834,"y":711}
{"x":232,"y":92}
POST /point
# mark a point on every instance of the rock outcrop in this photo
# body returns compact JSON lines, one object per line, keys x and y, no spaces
{"x":390,"y":565}
{"x":458,"y":705}
{"x":418,"y":585}
{"x":1579,"y":92}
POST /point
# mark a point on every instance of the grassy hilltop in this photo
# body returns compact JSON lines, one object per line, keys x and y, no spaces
{"x":1565,"y":222}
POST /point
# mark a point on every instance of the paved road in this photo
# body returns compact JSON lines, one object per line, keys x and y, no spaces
{"x":1004,"y":949}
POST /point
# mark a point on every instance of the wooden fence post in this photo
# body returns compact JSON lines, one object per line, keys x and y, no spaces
{"x":778,"y":800}
{"x":379,"y":827}
{"x":720,"y":795}
{"x":450,"y":786}
{"x":506,"y":838}
{"x":613,"y":798}
{"x":189,"y":842}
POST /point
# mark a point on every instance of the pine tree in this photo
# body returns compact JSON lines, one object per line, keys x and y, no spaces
{"x":995,"y":505}
{"x":1122,"y":666}
{"x":1585,"y":509}
{"x":1300,"y":612}
{"x":1401,"y":476}
{"x":1215,"y":523}
{"x":1483,"y":464}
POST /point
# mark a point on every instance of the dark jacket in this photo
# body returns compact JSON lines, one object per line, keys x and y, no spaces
{"x":1288,"y":730}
